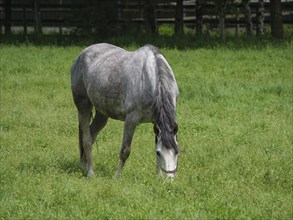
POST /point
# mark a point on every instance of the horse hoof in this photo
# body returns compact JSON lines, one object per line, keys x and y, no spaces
{"x":90,"y":173}
{"x":117,"y":175}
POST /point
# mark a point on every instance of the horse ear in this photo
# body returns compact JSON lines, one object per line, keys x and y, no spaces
{"x":175,"y":129}
{"x":156,"y":129}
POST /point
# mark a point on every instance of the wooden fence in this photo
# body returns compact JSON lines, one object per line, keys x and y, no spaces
{"x":59,"y":13}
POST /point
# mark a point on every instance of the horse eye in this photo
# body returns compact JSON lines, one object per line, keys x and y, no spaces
{"x":158,"y":153}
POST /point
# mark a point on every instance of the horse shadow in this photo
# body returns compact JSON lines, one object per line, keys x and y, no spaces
{"x":73,"y":167}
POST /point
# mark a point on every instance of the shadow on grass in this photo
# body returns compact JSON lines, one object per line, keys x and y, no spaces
{"x":73,"y":167}
{"x":70,"y":166}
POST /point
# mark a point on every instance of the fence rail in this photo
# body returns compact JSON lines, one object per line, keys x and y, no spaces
{"x":61,"y":15}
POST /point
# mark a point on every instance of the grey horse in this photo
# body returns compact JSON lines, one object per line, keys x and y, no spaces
{"x":135,"y":87}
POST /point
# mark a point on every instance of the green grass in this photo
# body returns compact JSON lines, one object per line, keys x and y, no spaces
{"x":235,"y":129}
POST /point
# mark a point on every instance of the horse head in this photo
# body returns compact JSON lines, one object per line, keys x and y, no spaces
{"x":166,"y":151}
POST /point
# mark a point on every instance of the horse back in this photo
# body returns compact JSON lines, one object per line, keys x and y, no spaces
{"x":116,"y":81}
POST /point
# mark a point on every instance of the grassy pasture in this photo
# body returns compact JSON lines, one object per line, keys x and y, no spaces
{"x":235,"y":129}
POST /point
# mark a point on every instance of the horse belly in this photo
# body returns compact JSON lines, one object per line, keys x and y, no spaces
{"x":110,"y":108}
{"x":108,"y":98}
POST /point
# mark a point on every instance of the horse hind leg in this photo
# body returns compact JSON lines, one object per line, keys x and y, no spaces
{"x":81,"y":149}
{"x":85,"y":139}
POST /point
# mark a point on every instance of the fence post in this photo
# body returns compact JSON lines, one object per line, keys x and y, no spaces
{"x":259,"y":18}
{"x":222,"y":9}
{"x":7,"y":17}
{"x":237,"y":26}
{"x":150,"y":16}
{"x":24,"y":21}
{"x":179,"y":17}
{"x":198,"y":16}
{"x":276,"y":19}
{"x":247,"y":14}
{"x":38,"y":27}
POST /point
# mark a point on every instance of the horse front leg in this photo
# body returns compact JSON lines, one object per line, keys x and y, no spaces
{"x":130,"y":124}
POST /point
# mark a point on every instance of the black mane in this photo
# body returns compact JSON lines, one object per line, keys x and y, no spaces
{"x":163,"y":106}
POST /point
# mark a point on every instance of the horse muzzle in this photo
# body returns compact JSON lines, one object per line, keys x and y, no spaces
{"x":169,"y":173}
